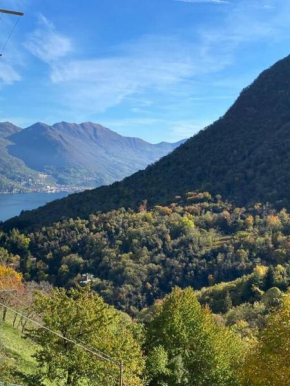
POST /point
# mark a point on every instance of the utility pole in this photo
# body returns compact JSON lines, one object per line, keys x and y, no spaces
{"x":14,"y":13}
{"x":11,"y":12}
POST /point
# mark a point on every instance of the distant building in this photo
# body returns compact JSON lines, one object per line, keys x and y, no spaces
{"x":87,"y":278}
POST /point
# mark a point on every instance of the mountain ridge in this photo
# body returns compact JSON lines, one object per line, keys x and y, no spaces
{"x":76,"y":155}
{"x":244,"y":156}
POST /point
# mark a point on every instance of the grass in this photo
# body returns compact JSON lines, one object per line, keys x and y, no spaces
{"x":17,"y":349}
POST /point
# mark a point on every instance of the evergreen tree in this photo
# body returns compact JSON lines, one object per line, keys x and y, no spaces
{"x":228,"y":304}
{"x":269,"y":280}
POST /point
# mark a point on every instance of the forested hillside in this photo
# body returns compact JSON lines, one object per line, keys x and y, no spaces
{"x":230,"y":333}
{"x":244,"y":156}
{"x":133,"y":258}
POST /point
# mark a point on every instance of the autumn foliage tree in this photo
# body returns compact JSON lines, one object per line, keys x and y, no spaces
{"x":82,"y":316}
{"x":268,"y":363}
{"x":10,"y":279}
{"x":186,"y":347}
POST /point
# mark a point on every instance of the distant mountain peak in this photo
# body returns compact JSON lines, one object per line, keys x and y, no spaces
{"x":37,"y":126}
{"x":77,"y":155}
{"x":7,"y":129}
{"x":244,"y":156}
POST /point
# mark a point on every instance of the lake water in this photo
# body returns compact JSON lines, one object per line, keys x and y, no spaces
{"x":12,"y":204}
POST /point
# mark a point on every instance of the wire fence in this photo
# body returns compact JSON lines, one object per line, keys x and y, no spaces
{"x":8,"y":384}
{"x":93,"y":351}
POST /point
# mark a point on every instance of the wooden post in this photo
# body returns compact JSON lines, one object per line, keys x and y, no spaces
{"x":121,"y":373}
{"x":4,"y":314}
{"x":14,"y":320}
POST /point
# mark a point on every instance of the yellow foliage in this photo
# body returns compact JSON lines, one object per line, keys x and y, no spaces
{"x":261,"y":270}
{"x":10,"y":279}
{"x":163,"y":210}
{"x":273,"y":222}
{"x":249,"y":221}
{"x":268,"y":363}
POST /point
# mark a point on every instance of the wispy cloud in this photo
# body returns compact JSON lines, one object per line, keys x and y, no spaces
{"x":151,"y":62}
{"x":185,"y":128}
{"x":12,"y":62}
{"x":47,"y":44}
{"x":267,"y":6}
{"x":176,"y":129}
{"x":8,"y":75}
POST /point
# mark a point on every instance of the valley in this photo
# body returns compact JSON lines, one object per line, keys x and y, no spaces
{"x":69,"y":157}
{"x":162,"y":261}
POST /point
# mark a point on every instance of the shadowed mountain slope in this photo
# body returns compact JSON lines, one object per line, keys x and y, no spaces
{"x":244,"y":156}
{"x":14,"y":174}
{"x":68,"y":155}
{"x":7,"y":129}
{"x":84,"y":154}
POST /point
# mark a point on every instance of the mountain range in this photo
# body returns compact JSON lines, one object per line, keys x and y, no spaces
{"x":68,"y":155}
{"x":244,"y":156}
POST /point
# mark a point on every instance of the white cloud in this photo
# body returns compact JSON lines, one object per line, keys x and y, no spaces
{"x":185,"y":129}
{"x":176,"y":129}
{"x":156,"y":63}
{"x":12,"y":62}
{"x":165,"y":65}
{"x":8,"y":75}
{"x":47,"y":44}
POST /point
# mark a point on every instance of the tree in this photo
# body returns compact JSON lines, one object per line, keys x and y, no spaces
{"x":269,"y":280}
{"x":188,"y":347}
{"x":10,"y":279}
{"x":249,"y":222}
{"x":228,"y":304}
{"x":82,"y":316}
{"x":7,"y":258}
{"x":268,"y":364}
{"x":272,"y":298}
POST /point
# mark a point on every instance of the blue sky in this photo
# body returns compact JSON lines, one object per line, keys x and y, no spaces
{"x":155,"y":69}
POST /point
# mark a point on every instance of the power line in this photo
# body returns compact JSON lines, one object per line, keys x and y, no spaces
{"x":78,"y":341}
{"x":15,"y":13}
{"x":7,"y":40}
{"x":102,"y":356}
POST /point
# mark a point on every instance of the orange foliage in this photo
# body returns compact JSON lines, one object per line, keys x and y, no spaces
{"x":273,"y":220}
{"x":10,"y":279}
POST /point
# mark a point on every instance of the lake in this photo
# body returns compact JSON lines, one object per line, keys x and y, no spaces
{"x":12,"y":204}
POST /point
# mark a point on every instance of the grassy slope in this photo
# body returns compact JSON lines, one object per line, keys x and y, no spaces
{"x":18,"y":349}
